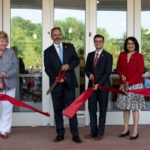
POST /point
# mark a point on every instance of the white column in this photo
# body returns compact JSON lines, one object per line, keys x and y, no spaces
{"x":91,"y":15}
{"x":130,"y":17}
{"x":1,"y":19}
{"x":137,"y":21}
{"x":48,"y":17}
{"x":6,"y":17}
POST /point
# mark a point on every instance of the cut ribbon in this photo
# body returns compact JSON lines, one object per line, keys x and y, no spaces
{"x":113,"y":90}
{"x":71,"y":110}
{"x":144,"y":91}
{"x":19,"y":103}
{"x":77,"y":104}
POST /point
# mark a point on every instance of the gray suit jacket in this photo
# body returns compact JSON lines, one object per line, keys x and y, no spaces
{"x":9,"y":64}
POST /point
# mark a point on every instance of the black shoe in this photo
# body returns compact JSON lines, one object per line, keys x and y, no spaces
{"x":99,"y":137}
{"x":59,"y":138}
{"x":89,"y":136}
{"x":76,"y":140}
{"x":125,"y":134}
{"x":134,"y":137}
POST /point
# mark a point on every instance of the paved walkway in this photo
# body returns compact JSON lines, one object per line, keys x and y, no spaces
{"x":41,"y":138}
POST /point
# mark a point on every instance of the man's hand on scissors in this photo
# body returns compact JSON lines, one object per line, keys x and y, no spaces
{"x":60,"y":81}
{"x":65,"y":67}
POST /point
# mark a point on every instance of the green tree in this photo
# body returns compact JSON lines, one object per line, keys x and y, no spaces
{"x":27,"y":37}
{"x":73,"y":31}
{"x":145,"y":38}
{"x":112,"y":45}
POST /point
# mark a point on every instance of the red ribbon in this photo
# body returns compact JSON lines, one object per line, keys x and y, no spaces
{"x":19,"y":103}
{"x":61,"y":75}
{"x":71,"y":110}
{"x":77,"y":104}
{"x":144,"y":91}
{"x":113,"y":90}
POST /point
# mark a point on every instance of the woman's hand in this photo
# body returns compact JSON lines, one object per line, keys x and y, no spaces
{"x":3,"y":75}
{"x":123,"y":78}
{"x":1,"y":86}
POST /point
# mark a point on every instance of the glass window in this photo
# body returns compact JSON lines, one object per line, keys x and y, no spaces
{"x":145,"y":44}
{"x":111,"y":23}
{"x":70,"y":17}
{"x":26,"y":41}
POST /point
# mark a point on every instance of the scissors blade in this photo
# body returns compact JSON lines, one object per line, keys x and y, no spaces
{"x":51,"y":88}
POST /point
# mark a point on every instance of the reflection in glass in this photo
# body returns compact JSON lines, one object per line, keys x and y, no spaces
{"x":26,"y":41}
{"x":70,"y":17}
{"x":145,"y":41}
{"x":111,"y":23}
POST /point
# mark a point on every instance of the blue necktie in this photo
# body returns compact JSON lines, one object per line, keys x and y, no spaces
{"x":60,"y":53}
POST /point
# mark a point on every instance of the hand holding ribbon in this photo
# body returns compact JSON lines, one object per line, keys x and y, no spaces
{"x":77,"y":104}
{"x":2,"y":84}
{"x":14,"y":101}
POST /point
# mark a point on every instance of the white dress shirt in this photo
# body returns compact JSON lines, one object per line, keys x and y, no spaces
{"x":99,"y":53}
{"x":56,"y":47}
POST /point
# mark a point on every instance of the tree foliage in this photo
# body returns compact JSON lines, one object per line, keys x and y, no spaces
{"x":27,"y":36}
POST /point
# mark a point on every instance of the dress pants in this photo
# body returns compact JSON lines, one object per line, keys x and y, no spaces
{"x":98,"y":98}
{"x":6,"y":112}
{"x":62,"y":99}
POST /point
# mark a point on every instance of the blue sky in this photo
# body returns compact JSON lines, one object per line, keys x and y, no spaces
{"x":113,"y":21}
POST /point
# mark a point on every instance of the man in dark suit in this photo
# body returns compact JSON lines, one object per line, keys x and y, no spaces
{"x":98,"y":70}
{"x":62,"y":56}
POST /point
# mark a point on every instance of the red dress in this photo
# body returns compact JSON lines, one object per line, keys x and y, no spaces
{"x":133,"y":70}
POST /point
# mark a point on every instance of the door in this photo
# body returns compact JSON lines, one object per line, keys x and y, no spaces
{"x":23,"y":21}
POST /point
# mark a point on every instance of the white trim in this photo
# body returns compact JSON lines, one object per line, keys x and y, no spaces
{"x":28,"y":119}
{"x":115,"y":118}
{"x":48,"y":14}
{"x":32,"y":118}
{"x":92,"y":23}
{"x":137,"y":21}
{"x":1,"y":13}
{"x":91,"y":16}
{"x":6,"y":17}
{"x":130,"y":17}
{"x":87,"y":20}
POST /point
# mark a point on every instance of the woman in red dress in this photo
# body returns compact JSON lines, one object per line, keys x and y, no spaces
{"x":130,"y":68}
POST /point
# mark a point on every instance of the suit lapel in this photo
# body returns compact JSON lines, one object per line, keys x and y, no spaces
{"x":64,"y":53}
{"x":93,"y":57}
{"x":100,"y":59}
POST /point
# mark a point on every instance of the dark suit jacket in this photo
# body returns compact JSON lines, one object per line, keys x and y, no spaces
{"x":103,"y":68}
{"x":53,"y":64}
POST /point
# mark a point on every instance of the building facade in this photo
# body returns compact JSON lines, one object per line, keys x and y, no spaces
{"x":28,"y":24}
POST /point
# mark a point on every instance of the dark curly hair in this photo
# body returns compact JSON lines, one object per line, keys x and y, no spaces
{"x":134,"y":40}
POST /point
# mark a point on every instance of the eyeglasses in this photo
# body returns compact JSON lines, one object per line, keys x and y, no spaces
{"x":98,"y":41}
{"x":130,"y":43}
